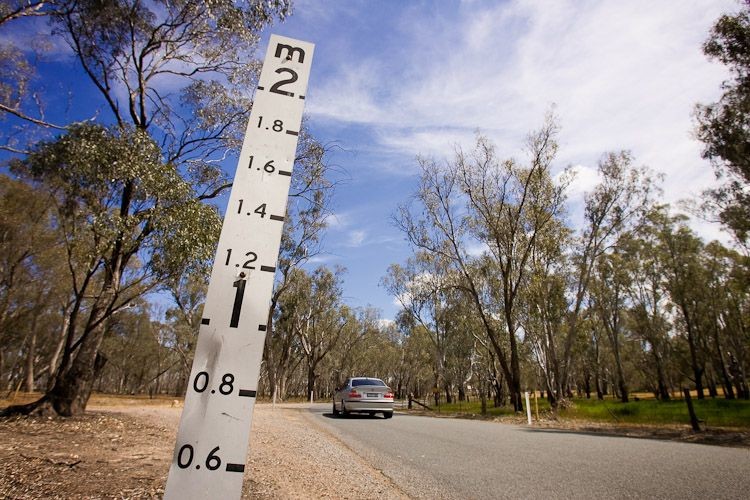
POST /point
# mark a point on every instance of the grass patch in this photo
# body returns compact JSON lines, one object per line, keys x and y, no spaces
{"x":713,"y":412}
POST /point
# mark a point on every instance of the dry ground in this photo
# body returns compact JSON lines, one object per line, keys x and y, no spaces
{"x":125,"y":452}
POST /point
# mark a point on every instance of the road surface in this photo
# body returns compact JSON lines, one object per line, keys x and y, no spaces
{"x":453,"y":458}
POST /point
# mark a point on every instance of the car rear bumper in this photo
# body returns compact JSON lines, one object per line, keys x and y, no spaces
{"x":357,"y":405}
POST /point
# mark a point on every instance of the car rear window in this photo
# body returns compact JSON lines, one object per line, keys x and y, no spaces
{"x":367,"y":381}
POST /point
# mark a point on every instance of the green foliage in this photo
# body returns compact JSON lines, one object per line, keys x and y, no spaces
{"x":116,"y":182}
{"x":723,"y":126}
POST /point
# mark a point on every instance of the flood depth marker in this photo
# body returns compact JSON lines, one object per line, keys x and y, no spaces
{"x":214,"y":428}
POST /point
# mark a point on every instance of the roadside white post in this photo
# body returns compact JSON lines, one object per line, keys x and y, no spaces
{"x":211,"y":448}
{"x":528,"y":407}
{"x":311,"y":397}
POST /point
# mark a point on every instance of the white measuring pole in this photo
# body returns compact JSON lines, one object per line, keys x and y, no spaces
{"x":209,"y":456}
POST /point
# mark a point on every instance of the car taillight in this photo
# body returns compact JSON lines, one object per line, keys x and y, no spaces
{"x":354,"y":394}
{"x":388,"y":395}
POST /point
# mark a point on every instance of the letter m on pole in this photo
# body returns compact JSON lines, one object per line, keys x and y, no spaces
{"x":290,"y":51}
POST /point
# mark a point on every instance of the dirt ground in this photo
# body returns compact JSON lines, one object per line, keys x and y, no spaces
{"x":125,"y":452}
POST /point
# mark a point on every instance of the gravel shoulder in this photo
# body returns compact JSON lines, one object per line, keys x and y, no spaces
{"x":125,"y":452}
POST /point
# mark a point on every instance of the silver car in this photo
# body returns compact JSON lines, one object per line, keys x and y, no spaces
{"x":363,"y":395}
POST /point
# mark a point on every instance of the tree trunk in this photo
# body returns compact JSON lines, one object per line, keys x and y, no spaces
{"x":73,"y":385}
{"x":30,"y":355}
{"x":58,"y":349}
{"x":514,"y":380}
{"x":697,"y":368}
{"x":662,"y":390}
{"x":310,"y":379}
{"x":725,"y":378}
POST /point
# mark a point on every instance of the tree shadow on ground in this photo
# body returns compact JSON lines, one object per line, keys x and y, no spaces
{"x":716,"y":437}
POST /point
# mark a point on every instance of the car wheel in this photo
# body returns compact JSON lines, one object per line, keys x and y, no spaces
{"x":335,"y":411}
{"x":387,"y":414}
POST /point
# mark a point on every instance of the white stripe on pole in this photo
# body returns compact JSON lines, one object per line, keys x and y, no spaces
{"x":211,"y":448}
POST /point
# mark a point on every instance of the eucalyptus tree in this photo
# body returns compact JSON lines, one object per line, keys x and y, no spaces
{"x":617,"y":204}
{"x":544,"y":306}
{"x":32,"y":282}
{"x":649,"y":302}
{"x":722,"y":126}
{"x":414,"y":368}
{"x":318,"y":317}
{"x":352,"y":356}
{"x":422,"y":288}
{"x":685,"y":281}
{"x":502,"y":206}
{"x":728,"y":300}
{"x":128,"y":223}
{"x":188,"y":292}
{"x":174,"y":77}
{"x":306,"y":219}
{"x":609,"y":301}
{"x":20,"y":104}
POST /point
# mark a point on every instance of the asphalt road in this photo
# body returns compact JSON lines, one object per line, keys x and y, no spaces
{"x":452,"y":458}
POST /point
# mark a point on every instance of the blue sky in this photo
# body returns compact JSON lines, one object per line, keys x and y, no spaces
{"x":394,"y":79}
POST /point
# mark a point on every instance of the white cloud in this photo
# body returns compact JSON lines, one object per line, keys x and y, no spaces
{"x":585,"y":179}
{"x":356,"y":238}
{"x":384,"y":323}
{"x":623,"y":75}
{"x":338,"y":220}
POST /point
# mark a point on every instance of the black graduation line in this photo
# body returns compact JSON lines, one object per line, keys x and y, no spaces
{"x":285,"y":172}
{"x":205,"y":321}
{"x":235,"y":467}
{"x":237,"y":304}
{"x":247,"y":393}
{"x":301,"y":97}
{"x":260,"y":88}
{"x":262,"y":328}
{"x":268,"y":268}
{"x":277,"y":217}
{"x":292,"y":132}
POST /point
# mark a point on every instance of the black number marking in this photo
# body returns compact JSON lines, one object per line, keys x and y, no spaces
{"x":212,"y":461}
{"x":180,"y":463}
{"x":261,"y":210}
{"x":250,"y":165}
{"x":240,"y":286}
{"x":253,"y":257}
{"x":205,"y":381}
{"x":276,"y":87}
{"x":229,"y":254}
{"x":226,"y":381}
{"x":290,"y":52}
{"x":239,"y":209}
{"x":268,"y":167}
{"x":278,"y":125}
